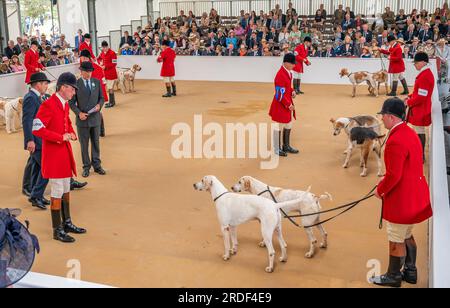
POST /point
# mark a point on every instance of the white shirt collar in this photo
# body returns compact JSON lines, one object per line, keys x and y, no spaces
{"x":289,"y":72}
{"x":424,"y":68}
{"x":62,"y":100}
{"x":36,"y":92}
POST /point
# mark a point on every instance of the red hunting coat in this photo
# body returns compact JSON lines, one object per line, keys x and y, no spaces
{"x":167,"y":57}
{"x":32,"y":64}
{"x":301,"y":56}
{"x":279,"y":110}
{"x":419,"y":101}
{"x":109,"y":60}
{"x":404,"y":189}
{"x":99,"y":74}
{"x":396,"y":63}
{"x":50,"y":124}
{"x":84,"y":45}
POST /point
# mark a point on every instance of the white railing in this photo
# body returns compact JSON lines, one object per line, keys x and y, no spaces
{"x":303,"y":7}
{"x":42,"y":281}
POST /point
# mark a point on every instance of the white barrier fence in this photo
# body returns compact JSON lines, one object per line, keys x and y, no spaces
{"x":13,"y":85}
{"x":42,"y":281}
{"x":256,"y":69}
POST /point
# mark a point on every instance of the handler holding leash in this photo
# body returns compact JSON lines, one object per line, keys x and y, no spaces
{"x":167,"y":58}
{"x":405,"y":194}
{"x":301,"y":57}
{"x":282,"y":109}
{"x":419,"y":102}
{"x":396,"y":65}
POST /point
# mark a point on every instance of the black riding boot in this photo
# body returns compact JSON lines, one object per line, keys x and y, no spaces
{"x":277,"y":144}
{"x":409,"y":273}
{"x":69,"y":227}
{"x":174,"y":90}
{"x":423,"y":141}
{"x":102,"y":127}
{"x":394,"y":89}
{"x":299,"y":87}
{"x":287,"y":142}
{"x":393,"y":278}
{"x":296,"y":86}
{"x":169,"y":92}
{"x":58,"y":230}
{"x":112,"y":101}
{"x":405,"y":87}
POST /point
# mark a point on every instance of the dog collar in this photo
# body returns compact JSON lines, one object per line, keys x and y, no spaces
{"x":221,"y":195}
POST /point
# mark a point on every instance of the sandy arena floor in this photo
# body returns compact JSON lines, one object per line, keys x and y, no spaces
{"x":148,"y":227}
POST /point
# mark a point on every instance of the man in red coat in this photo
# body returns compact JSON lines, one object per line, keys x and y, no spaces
{"x":53,"y":125}
{"x":98,"y":74}
{"x":301,"y":57}
{"x":86,"y":45}
{"x":419,"y":102}
{"x":396,"y":65}
{"x":405,"y":194}
{"x":282,"y":109}
{"x":31,"y":62}
{"x":108,"y":61}
{"x":167,"y":57}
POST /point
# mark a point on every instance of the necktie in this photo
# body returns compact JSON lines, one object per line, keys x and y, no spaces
{"x":88,"y":86}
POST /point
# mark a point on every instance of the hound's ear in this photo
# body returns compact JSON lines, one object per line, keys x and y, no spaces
{"x":332,"y":120}
{"x":246,"y":184}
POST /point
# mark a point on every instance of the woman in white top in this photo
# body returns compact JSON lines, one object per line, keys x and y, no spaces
{"x":283,"y":37}
{"x":443,"y":54}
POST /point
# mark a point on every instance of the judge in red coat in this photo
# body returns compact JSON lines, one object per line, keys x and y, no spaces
{"x":301,"y":57}
{"x":108,"y":61}
{"x":98,"y":74}
{"x":405,"y":194}
{"x":419,"y":102}
{"x":52,"y":124}
{"x":167,"y":58}
{"x":86,"y":45}
{"x":396,"y":65}
{"x":282,"y":110}
{"x":31,"y":62}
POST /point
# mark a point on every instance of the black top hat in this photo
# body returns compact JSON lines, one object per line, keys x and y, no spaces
{"x":105,"y":44}
{"x":53,"y":53}
{"x":38,"y":77}
{"x":87,"y":36}
{"x":421,"y":57}
{"x":86,"y":66}
{"x":85,"y":53}
{"x":391,"y":38}
{"x":289,"y":58}
{"x":166,"y":43}
{"x":67,"y":79}
{"x":307,"y":39}
{"x":395,"y":107}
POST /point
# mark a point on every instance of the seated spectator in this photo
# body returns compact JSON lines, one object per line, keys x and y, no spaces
{"x":294,"y":21}
{"x":126,"y":50}
{"x":252,"y":40}
{"x":242,"y":51}
{"x":291,"y":9}
{"x":283,"y":37}
{"x":429,"y":49}
{"x":126,"y":39}
{"x":314,"y":52}
{"x":413,"y":48}
{"x":44,"y":40}
{"x":328,"y":52}
{"x":181,"y":19}
{"x":15,"y":65}
{"x":254,"y":52}
{"x":209,"y":51}
{"x":346,"y":50}
{"x":135,"y":49}
{"x":366,"y":54}
{"x":62,"y":42}
{"x":388,"y":17}
{"x":231,"y":39}
{"x":359,"y":47}
{"x":267,"y":52}
{"x":5,"y":69}
{"x":320,"y":17}
{"x":338,"y":34}
{"x":382,"y":38}
{"x":239,"y":30}
{"x":348,"y":23}
{"x":63,"y":57}
{"x":276,"y":23}
{"x":42,"y":59}
{"x":366,"y":33}
{"x":339,"y":15}
{"x":410,"y":33}
{"x":219,"y":51}
{"x":12,"y":50}
{"x":349,"y":11}
{"x":53,"y":59}
{"x":425,"y":33}
{"x":230,"y":51}
{"x":379,"y":24}
{"x":191,"y":18}
{"x":400,"y":20}
{"x":196,"y":51}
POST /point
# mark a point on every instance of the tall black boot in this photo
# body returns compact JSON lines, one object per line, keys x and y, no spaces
{"x":287,"y":142}
{"x":296,"y":86}
{"x":394,"y":89}
{"x":405,"y":87}
{"x":409,"y":273}
{"x":423,"y":141}
{"x":393,"y":278}
{"x":102,"y":127}
{"x":169,"y":92}
{"x":299,"y":87}
{"x":69,"y":227}
{"x":112,"y":101}
{"x":277,"y":144}
{"x":174,"y":89}
{"x":58,"y":230}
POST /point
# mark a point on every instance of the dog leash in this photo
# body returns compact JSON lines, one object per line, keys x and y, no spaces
{"x":221,"y":195}
{"x":51,"y":75}
{"x":283,"y":212}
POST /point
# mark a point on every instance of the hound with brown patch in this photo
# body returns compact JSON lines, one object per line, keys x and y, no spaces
{"x":9,"y":110}
{"x":310,"y":204}
{"x":126,"y":79}
{"x":381,"y":77}
{"x":358,"y":78}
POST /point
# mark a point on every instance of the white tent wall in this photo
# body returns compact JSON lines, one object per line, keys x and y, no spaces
{"x":111,"y":14}
{"x":13,"y":20}
{"x":73,"y":15}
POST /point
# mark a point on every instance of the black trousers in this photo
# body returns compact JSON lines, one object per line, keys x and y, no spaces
{"x":38,"y":182}
{"x":90,"y":135}
{"x":27,"y":174}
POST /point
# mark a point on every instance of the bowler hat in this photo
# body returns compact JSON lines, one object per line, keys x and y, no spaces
{"x":85,"y":53}
{"x":86,"y":66}
{"x":38,"y":77}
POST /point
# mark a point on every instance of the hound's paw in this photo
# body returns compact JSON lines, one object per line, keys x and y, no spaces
{"x":283,"y":259}
{"x":309,"y":255}
{"x":323,"y":245}
{"x":234,"y":251}
{"x":364,"y":173}
{"x":262,"y":244}
{"x":226,"y":258}
{"x":345,"y":166}
{"x":269,"y":269}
